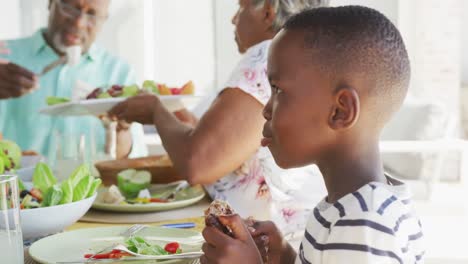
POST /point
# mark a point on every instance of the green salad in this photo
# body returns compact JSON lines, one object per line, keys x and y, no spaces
{"x":47,"y":191}
{"x":10,"y":156}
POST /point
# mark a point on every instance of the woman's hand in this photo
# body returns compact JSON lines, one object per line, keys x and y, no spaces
{"x":221,"y":248}
{"x":140,"y":108}
{"x":270,"y":242}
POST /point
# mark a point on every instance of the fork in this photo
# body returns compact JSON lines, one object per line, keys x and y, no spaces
{"x":178,"y":188}
{"x":127,"y":233}
{"x":52,"y":65}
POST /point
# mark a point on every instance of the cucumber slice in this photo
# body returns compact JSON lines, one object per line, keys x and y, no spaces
{"x":131,"y":182}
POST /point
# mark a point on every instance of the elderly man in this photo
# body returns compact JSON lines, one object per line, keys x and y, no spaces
{"x":71,"y":22}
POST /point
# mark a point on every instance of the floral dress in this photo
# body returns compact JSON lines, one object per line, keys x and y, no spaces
{"x":259,"y":188}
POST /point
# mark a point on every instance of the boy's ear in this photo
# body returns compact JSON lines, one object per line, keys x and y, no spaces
{"x":269,"y":14}
{"x":346,"y":109}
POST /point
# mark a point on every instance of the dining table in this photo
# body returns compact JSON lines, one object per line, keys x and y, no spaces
{"x":95,"y":219}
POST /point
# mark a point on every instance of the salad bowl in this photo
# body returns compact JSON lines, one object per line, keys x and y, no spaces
{"x":40,"y":222}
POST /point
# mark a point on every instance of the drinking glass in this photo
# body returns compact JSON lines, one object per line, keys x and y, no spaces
{"x":72,"y":149}
{"x":11,"y":238}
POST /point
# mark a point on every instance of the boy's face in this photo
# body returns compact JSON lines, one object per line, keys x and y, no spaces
{"x":298,"y":112}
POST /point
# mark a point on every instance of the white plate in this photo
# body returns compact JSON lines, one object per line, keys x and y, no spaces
{"x":101,"y":106}
{"x":71,"y":246}
{"x":183,"y":198}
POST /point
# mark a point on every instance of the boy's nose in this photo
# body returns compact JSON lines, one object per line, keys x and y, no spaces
{"x":234,"y":18}
{"x":267,"y":111}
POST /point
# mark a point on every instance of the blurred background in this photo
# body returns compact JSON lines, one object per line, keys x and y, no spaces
{"x":173,"y":41}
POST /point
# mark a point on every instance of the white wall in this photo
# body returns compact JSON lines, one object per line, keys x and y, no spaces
{"x":388,"y":7}
{"x":464,"y":44}
{"x":227,"y":54}
{"x":184,"y":36}
{"x":122,"y":34}
{"x":9,"y":19}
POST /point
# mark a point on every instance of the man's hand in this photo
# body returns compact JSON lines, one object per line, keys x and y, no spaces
{"x":270,"y":242}
{"x":136,"y":109}
{"x":15,"y":81}
{"x":221,"y":248}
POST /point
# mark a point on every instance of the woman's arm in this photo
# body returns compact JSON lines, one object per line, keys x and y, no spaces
{"x":186,"y":117}
{"x":225,"y":137}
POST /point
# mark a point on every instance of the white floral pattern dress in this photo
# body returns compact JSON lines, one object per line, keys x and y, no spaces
{"x":259,"y":188}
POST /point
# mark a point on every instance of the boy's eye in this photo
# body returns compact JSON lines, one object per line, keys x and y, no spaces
{"x":276,"y":90}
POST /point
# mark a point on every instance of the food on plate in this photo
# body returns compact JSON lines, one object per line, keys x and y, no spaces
{"x":10,"y":156}
{"x":47,"y":192}
{"x":218,"y":208}
{"x":138,"y":182}
{"x":112,"y":196}
{"x":124,"y":91}
{"x":137,"y":246}
{"x":53,"y":100}
{"x":148,"y":86}
{"x":131,"y":182}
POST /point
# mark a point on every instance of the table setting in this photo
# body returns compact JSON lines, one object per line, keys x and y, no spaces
{"x":81,"y":206}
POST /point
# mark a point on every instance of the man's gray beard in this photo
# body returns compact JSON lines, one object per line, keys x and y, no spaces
{"x":58,"y":45}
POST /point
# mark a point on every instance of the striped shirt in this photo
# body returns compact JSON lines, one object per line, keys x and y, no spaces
{"x":375,"y":224}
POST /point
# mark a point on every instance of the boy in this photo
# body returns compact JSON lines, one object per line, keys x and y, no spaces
{"x":337,"y":76}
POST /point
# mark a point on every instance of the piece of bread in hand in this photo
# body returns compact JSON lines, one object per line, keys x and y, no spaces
{"x":218,"y":208}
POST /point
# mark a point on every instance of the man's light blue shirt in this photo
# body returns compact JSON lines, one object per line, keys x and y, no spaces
{"x":20,"y":120}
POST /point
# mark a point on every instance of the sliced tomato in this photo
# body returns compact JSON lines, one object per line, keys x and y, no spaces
{"x":98,"y":256}
{"x":172,"y":247}
{"x":157,"y":200}
{"x":176,"y":91}
{"x":36,"y":193}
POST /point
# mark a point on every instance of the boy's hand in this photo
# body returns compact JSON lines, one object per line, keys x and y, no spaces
{"x":270,"y":242}
{"x":220,"y":248}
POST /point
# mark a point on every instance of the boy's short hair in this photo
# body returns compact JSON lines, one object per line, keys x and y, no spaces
{"x":358,"y":41}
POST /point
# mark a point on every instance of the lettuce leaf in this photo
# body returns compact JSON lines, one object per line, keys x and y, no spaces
{"x":53,"y":196}
{"x":81,"y":190}
{"x":78,"y":174}
{"x":94,"y":186}
{"x":5,"y":162}
{"x":67,"y":188}
{"x":53,"y":100}
{"x":2,"y":165}
{"x":21,"y":186}
{"x":130,"y":90}
{"x":139,"y":245}
{"x":43,"y":178}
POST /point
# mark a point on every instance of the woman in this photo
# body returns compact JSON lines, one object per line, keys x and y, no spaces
{"x":222,"y":150}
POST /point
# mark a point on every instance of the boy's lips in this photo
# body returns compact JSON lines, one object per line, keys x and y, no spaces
{"x":266,"y":142}
{"x":267,"y":137}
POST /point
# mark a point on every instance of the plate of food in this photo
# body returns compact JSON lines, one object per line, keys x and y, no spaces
{"x":102,"y":99}
{"x":48,"y":207}
{"x":134,"y":193}
{"x":151,"y":244}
